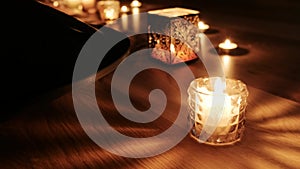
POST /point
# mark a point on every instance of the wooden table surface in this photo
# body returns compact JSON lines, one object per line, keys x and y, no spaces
{"x":47,"y":134}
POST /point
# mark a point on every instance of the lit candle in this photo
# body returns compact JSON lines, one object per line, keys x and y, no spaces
{"x":227,"y":45}
{"x":55,"y":3}
{"x":202,"y":26}
{"x":135,"y":4}
{"x":217,"y":109}
{"x":108,"y":10}
{"x":124,"y":9}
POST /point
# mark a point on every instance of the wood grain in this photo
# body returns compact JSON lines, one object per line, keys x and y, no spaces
{"x":48,"y":134}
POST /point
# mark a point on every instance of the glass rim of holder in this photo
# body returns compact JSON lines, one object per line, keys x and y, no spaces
{"x":233,"y":129}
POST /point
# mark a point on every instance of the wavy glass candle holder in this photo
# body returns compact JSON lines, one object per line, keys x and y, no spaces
{"x":231,"y":122}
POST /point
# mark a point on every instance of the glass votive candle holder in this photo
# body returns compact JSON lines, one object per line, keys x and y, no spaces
{"x":218,"y":105}
{"x":108,"y":9}
{"x":178,"y":42}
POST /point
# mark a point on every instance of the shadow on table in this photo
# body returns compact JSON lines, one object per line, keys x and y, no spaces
{"x":235,"y":52}
{"x":211,"y":31}
{"x":40,"y":57}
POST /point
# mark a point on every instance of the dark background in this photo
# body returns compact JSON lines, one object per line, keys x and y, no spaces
{"x":41,"y":44}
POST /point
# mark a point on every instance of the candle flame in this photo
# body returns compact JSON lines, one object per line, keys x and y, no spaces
{"x":55,"y":3}
{"x":135,"y":3}
{"x":227,"y":42}
{"x":200,"y":24}
{"x":219,"y":86}
{"x":124,"y":8}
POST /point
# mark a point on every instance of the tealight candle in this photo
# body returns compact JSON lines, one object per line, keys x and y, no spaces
{"x":202,"y":26}
{"x":135,"y":4}
{"x":124,"y":9}
{"x":217,"y":110}
{"x":227,"y":45}
{"x":55,"y":3}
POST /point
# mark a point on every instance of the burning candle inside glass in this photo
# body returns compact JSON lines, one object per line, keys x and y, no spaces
{"x":109,"y":14}
{"x":217,"y":110}
{"x":109,"y":10}
{"x":202,"y":26}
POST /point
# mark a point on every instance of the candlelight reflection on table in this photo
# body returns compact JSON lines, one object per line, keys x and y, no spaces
{"x":227,"y":65}
{"x":135,"y":10}
{"x":217,"y":110}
